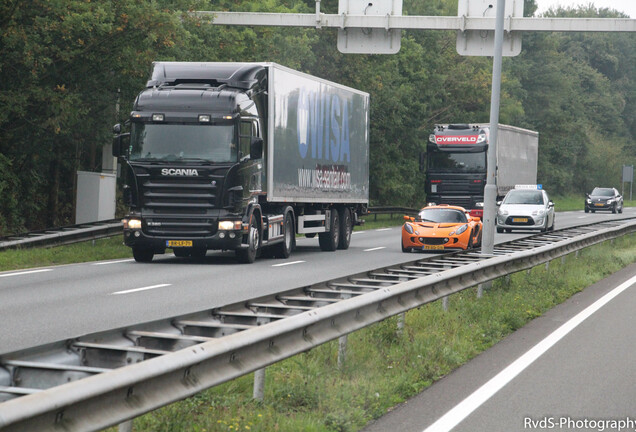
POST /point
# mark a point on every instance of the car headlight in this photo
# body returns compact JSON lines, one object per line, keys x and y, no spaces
{"x":609,"y":201}
{"x":132,"y":223}
{"x":479,"y":205}
{"x":408,"y":228}
{"x":503,"y":212}
{"x":460,"y":230}
{"x":589,"y":201}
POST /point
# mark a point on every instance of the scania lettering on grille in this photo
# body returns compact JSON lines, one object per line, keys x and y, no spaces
{"x":179,"y":172}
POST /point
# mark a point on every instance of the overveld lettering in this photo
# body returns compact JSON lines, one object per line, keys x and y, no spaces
{"x":465,"y":139}
{"x":323,"y":125}
{"x":179,"y":172}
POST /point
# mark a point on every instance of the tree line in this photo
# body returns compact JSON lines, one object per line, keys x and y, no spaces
{"x":70,"y":69}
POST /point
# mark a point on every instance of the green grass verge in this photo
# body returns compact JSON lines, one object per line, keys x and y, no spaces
{"x":309,"y":393}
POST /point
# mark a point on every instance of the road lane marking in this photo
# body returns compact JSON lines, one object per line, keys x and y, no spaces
{"x":140,"y":289}
{"x":25,"y":272}
{"x":374,"y":249}
{"x":113,"y":262}
{"x":288,"y":263}
{"x":456,"y":415}
{"x":383,"y":229}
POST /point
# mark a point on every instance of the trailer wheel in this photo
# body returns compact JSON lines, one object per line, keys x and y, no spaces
{"x":253,"y":240}
{"x":142,"y":254}
{"x":283,"y":250}
{"x":346,"y":228}
{"x":329,"y":240}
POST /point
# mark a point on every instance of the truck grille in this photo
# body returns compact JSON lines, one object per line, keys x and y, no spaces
{"x":456,"y":200}
{"x":180,"y":194}
{"x":180,"y":227}
{"x":181,"y":206}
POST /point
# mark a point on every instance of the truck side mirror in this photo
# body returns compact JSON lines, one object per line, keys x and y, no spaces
{"x":118,"y":150}
{"x":256,"y":148}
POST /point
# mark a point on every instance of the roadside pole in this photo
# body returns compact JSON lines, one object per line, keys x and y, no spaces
{"x":490,"y":191}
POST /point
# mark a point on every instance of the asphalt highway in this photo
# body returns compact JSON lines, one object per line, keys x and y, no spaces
{"x":571,"y":369}
{"x":40,"y":306}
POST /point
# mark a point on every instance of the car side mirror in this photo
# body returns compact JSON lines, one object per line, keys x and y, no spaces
{"x":498,"y":203}
{"x":551,"y":204}
{"x":256,"y":148}
{"x":476,"y":219}
{"x":409,"y":218}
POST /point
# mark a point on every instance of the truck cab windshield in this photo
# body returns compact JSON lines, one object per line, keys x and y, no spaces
{"x":182,"y":142}
{"x":441,"y":162}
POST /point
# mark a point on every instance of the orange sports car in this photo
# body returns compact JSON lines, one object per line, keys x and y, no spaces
{"x":441,"y":227}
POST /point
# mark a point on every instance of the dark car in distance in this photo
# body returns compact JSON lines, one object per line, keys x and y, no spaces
{"x":604,"y":199}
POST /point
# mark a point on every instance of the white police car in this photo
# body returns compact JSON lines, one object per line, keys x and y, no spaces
{"x":526,"y":207}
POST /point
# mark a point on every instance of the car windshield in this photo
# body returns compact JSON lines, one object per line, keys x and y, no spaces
{"x":605,"y":192}
{"x":442,"y":216}
{"x":442,"y":162}
{"x":531,"y":197}
{"x":180,"y":142}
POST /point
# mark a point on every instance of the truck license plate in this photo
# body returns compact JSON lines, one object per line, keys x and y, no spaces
{"x":179,"y":243}
{"x":520,"y":220}
{"x":433,"y":247}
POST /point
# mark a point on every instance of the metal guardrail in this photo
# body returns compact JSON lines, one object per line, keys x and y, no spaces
{"x":63,"y":235}
{"x":108,"y":228}
{"x":101,"y":380}
{"x":375,"y":211}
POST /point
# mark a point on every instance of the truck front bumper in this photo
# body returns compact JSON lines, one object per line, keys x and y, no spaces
{"x":221,"y":241}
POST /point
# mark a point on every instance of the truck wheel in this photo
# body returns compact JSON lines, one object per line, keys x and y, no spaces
{"x":329,"y":240}
{"x":346,"y":228}
{"x":283,"y":250}
{"x":142,"y":254}
{"x":253,"y":240}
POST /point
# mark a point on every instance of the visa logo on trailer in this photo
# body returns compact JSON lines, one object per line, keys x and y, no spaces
{"x":179,"y":172}
{"x":323,"y":126}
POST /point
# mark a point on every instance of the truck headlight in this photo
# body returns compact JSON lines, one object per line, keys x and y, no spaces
{"x":132,"y":223}
{"x":230,"y":225}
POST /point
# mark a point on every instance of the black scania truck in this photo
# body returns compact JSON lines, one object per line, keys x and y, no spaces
{"x":242,"y":156}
